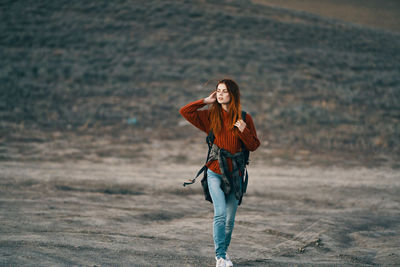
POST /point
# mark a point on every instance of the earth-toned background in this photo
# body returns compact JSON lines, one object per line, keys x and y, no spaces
{"x":93,"y":149}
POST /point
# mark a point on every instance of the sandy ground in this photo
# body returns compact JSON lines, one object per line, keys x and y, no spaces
{"x":115,"y":213}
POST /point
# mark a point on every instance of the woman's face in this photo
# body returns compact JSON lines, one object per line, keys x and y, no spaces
{"x":223,"y":96}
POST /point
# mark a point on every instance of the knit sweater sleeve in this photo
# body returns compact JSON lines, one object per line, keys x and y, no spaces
{"x":198,"y":118}
{"x":249,"y":135}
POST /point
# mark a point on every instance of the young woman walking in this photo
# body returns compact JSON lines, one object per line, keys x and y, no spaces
{"x":231,"y":132}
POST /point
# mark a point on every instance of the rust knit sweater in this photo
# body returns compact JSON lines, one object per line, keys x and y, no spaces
{"x":226,"y":139}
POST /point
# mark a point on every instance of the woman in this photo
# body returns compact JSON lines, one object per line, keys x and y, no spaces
{"x":231,"y":133}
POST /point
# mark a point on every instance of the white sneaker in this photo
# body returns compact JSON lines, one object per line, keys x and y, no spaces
{"x":228,"y":261}
{"x":220,"y":262}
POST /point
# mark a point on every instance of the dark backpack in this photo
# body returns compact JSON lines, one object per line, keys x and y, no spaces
{"x":210,"y":141}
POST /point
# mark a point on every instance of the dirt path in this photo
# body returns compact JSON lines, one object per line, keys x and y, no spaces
{"x":81,"y":213}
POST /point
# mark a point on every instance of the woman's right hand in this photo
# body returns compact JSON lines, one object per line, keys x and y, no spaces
{"x":211,"y":98}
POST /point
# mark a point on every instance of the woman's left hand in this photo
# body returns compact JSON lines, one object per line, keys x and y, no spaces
{"x":241,"y":125}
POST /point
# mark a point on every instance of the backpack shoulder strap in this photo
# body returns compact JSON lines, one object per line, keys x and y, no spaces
{"x":244,"y":115}
{"x":246,"y":152}
{"x":210,"y":140}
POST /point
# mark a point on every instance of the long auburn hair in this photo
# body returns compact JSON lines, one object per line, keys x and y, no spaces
{"x":234,"y":108}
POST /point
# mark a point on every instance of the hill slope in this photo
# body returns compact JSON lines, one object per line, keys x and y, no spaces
{"x":124,"y":68}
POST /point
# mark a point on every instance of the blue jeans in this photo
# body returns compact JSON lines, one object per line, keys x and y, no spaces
{"x":224,"y":213}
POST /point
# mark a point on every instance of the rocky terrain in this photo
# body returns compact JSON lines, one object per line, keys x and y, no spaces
{"x":118,"y":214}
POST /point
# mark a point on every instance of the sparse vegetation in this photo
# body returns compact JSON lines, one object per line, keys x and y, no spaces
{"x":86,"y":68}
